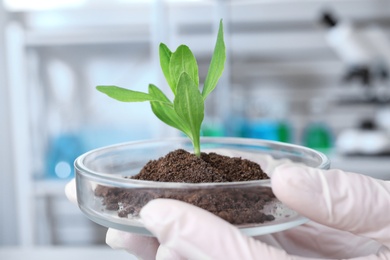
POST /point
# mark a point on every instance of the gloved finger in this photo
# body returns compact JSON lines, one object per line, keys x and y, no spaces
{"x":194,"y":233}
{"x":70,"y":191}
{"x":342,"y":200}
{"x":142,"y":247}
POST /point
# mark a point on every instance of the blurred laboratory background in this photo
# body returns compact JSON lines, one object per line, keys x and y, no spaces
{"x":313,"y":73}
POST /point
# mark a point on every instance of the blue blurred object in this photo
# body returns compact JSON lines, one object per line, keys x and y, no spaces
{"x":269,"y":130}
{"x":64,"y":148}
{"x":61,"y":153}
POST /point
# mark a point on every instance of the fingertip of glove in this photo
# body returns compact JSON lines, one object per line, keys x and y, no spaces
{"x":292,"y":182}
{"x":289,"y":175}
{"x":70,"y":191}
{"x":153,"y":210}
{"x":141,"y":246}
{"x":118,"y":239}
{"x":114,"y":239}
{"x":159,"y":213}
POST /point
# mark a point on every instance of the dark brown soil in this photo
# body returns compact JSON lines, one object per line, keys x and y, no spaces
{"x":237,"y":206}
{"x":182,"y":166}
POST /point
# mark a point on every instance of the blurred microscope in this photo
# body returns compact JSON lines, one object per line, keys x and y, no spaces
{"x":365,"y":53}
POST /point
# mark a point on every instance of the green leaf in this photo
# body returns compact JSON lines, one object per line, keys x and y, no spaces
{"x":125,"y":95}
{"x":165,"y":112}
{"x":165,"y":57}
{"x":158,"y":94}
{"x":182,"y":60}
{"x":189,"y":105}
{"x":217,"y":64}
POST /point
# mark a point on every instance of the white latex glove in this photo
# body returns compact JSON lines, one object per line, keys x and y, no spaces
{"x":349,"y":213}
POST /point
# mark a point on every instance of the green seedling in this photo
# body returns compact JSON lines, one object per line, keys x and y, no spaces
{"x":180,"y":70}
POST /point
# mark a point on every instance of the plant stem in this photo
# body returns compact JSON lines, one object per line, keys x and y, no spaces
{"x":196,"y":144}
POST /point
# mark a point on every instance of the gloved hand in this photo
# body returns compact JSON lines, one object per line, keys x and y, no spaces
{"x":349,"y":214}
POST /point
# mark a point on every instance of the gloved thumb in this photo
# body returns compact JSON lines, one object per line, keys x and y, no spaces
{"x":342,"y":200}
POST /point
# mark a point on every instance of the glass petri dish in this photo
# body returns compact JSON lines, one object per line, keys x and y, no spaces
{"x":110,"y":198}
